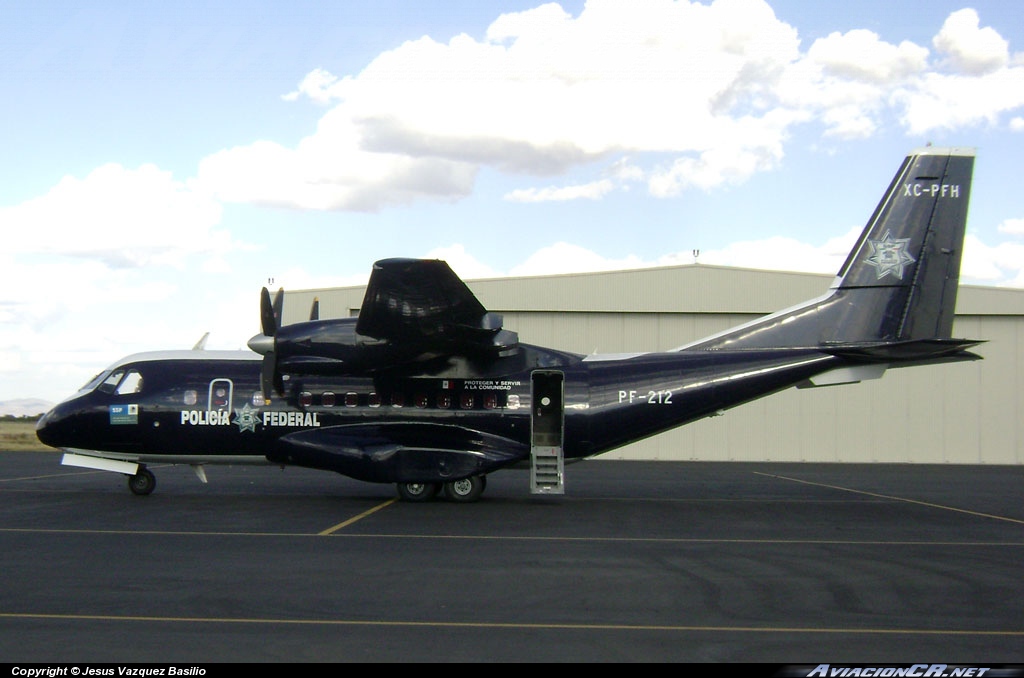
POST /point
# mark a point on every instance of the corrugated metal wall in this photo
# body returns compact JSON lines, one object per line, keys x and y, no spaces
{"x":960,"y":413}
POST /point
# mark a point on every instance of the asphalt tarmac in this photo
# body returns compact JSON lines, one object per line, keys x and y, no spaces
{"x":797,"y":564}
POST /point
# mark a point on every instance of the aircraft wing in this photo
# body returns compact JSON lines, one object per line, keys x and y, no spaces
{"x":414,"y":311}
{"x":422,"y":302}
{"x":405,"y":452}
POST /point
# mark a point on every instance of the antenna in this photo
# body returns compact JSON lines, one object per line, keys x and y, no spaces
{"x":696,"y":254}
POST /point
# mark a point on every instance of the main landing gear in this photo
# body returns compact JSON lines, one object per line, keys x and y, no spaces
{"x":463,"y":491}
{"x":143,"y":482}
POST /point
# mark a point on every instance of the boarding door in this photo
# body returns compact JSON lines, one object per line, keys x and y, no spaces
{"x":547,"y":424}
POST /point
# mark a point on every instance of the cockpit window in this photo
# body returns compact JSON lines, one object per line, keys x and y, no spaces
{"x":110,"y":383}
{"x":122,"y":382}
{"x":132,"y":383}
{"x":94,"y":382}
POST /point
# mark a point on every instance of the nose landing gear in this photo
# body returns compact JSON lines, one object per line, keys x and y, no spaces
{"x":143,"y":482}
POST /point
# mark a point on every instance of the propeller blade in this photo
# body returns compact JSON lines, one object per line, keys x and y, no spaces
{"x":268,"y":319}
{"x":268,"y":375}
{"x":278,"y":306}
{"x":278,"y":382}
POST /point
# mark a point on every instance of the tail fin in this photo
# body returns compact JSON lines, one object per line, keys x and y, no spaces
{"x":898,"y":286}
{"x":905,"y":269}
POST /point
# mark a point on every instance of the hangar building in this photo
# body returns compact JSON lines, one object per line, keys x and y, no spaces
{"x":967,"y":413}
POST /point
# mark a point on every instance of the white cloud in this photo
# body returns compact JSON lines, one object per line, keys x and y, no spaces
{"x":969,"y":48}
{"x":464,"y":264}
{"x":542,"y":92}
{"x":316,"y":85}
{"x":329,"y":171}
{"x":860,"y":55}
{"x":591,"y":191}
{"x":563,"y":257}
{"x":123,"y":217}
{"x":982,"y":82}
{"x":785,"y":254}
{"x":1014,"y":226}
{"x":1001,"y":264}
{"x":846,"y":78}
{"x":714,"y":167}
{"x":706,"y":94}
{"x":956,"y":101}
{"x":133,"y":236}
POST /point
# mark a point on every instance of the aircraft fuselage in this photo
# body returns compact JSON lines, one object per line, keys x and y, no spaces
{"x":196,"y":406}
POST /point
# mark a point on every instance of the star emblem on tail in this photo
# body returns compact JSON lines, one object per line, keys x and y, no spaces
{"x":889,"y":255}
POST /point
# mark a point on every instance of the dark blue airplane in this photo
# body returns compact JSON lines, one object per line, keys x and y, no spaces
{"x":427,"y":390}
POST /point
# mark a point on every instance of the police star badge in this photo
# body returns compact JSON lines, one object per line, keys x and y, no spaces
{"x":889,"y":255}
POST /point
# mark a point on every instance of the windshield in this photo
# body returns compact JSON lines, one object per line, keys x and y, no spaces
{"x":94,"y":382}
{"x":122,"y":381}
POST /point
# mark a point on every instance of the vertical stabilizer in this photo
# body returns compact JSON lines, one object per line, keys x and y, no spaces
{"x":899,"y":282}
{"x":907,"y":260}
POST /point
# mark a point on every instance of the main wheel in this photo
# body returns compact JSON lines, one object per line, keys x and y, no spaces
{"x":143,"y":482}
{"x":417,"y":491}
{"x":465,"y":490}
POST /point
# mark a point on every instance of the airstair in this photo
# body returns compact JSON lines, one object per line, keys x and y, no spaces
{"x":547,"y":464}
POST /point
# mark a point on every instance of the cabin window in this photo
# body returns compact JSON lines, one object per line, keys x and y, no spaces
{"x":421,"y":400}
{"x":327,"y":399}
{"x":257,"y":399}
{"x":444,"y":401}
{"x":397,"y":400}
{"x":191,"y":397}
{"x":374,"y":400}
{"x":305,"y":399}
{"x":132,"y":383}
{"x":351,"y":399}
{"x":466,"y":401}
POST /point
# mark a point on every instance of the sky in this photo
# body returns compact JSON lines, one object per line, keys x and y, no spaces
{"x":161,"y":162}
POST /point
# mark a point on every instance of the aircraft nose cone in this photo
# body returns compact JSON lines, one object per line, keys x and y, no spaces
{"x":45,"y":429}
{"x":261,"y":344}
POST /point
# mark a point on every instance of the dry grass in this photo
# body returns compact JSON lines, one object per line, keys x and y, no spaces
{"x":19,"y":436}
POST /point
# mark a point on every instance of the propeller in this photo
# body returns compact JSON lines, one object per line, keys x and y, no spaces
{"x":270,"y":311}
{"x":264,"y":344}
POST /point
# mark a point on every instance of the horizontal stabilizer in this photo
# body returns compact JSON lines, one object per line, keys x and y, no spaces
{"x":900,"y":351}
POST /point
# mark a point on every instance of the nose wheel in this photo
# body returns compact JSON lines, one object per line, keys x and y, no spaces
{"x":143,"y":482}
